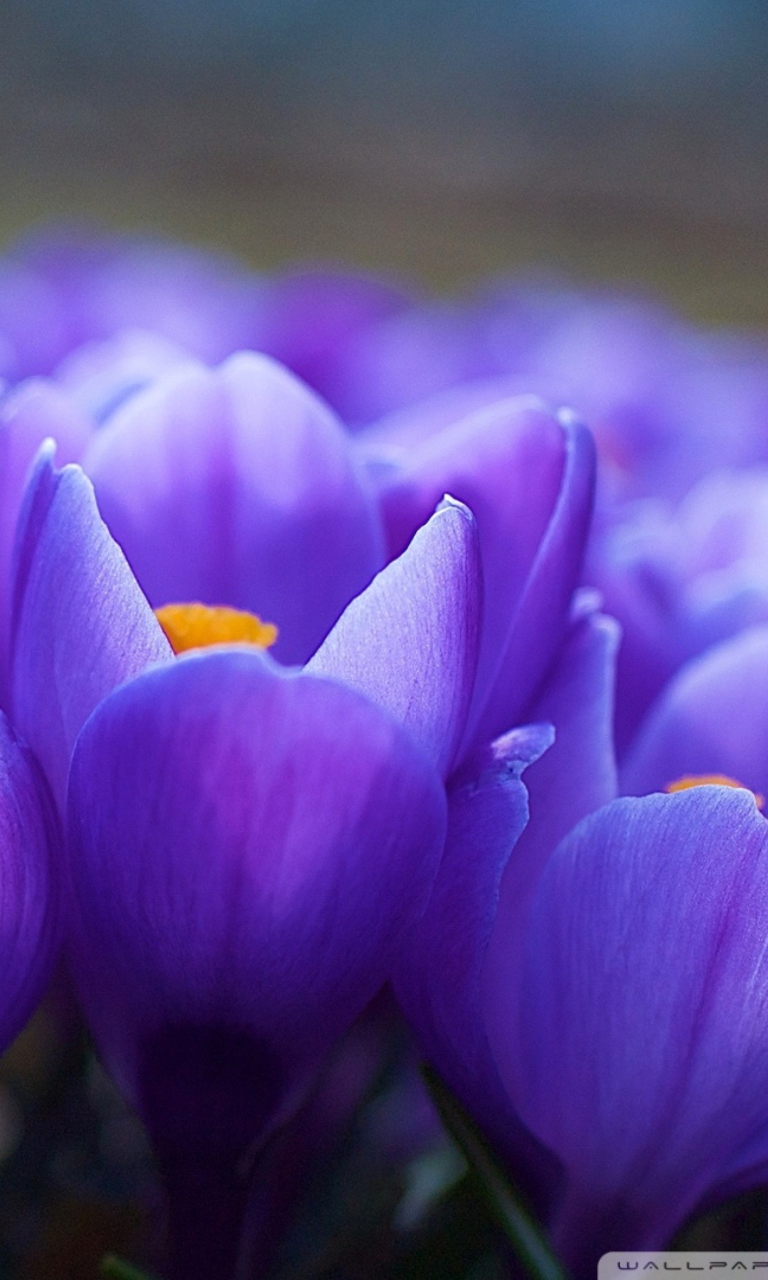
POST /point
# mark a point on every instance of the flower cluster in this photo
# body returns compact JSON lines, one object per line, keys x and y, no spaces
{"x":311,"y":682}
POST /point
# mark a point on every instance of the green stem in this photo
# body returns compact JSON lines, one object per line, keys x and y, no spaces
{"x":115,"y":1269}
{"x":525,"y":1236}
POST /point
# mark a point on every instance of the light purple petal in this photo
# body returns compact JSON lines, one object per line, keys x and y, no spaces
{"x":410,"y":641}
{"x":237,"y":486}
{"x":409,"y":428}
{"x":30,"y":874}
{"x":711,"y":718}
{"x":80,"y":622}
{"x":102,"y":284}
{"x":633,"y":1040}
{"x":100,"y":376}
{"x":28,"y":415}
{"x":248,"y":845}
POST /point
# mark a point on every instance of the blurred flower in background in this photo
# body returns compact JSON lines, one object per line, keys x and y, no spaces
{"x":477,"y":249}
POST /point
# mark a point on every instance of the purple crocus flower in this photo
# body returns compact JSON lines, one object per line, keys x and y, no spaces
{"x":528,"y":477}
{"x":238,"y":486}
{"x":72,"y":298}
{"x":232,"y":486}
{"x":684,"y":583}
{"x":629,"y":1028}
{"x":589,"y":976}
{"x":247,"y":843}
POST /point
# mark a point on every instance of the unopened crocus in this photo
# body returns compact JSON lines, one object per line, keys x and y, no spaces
{"x":247,"y":843}
{"x":528,"y":477}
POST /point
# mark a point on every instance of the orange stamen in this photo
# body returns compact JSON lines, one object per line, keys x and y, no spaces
{"x":198,"y":626}
{"x":711,"y":780}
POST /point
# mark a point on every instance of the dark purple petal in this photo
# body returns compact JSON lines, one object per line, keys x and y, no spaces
{"x":80,"y":622}
{"x":237,"y":486}
{"x":712,"y":718}
{"x":30,"y":875}
{"x":248,"y":845}
{"x":437,"y":977}
{"x":32,"y":412}
{"x":540,"y":612}
{"x":632,"y":1041}
{"x":578,"y":773}
{"x":410,"y":641}
{"x":528,"y":479}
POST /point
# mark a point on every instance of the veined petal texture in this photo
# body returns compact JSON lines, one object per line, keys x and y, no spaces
{"x":29,"y":414}
{"x":247,"y":847}
{"x":410,"y":641}
{"x":80,"y":622}
{"x":632,"y":1041}
{"x":237,"y":486}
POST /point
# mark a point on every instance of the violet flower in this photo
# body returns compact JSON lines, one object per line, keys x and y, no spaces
{"x":232,"y":486}
{"x":686,"y":585}
{"x":238,"y":486}
{"x":528,"y":477}
{"x":628,"y":1024}
{"x":247,"y":843}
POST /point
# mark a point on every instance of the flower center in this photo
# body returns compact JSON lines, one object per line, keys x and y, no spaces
{"x":198,"y":626}
{"x":711,"y":780}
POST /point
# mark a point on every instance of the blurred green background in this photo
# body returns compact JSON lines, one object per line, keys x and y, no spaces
{"x":443,"y":140}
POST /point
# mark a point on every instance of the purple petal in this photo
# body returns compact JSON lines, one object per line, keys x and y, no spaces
{"x":102,"y":284}
{"x":248,"y":845}
{"x":410,"y":641}
{"x":578,"y":774}
{"x":712,"y":718}
{"x":529,"y":480}
{"x":30,"y":869}
{"x":237,"y":486}
{"x":409,"y":428}
{"x":33,"y":324}
{"x":80,"y":622}
{"x":633,"y":1041}
{"x":540,"y":612}
{"x":313,"y":319}
{"x":100,"y":376}
{"x":437,"y":978}
{"x":32,"y":412}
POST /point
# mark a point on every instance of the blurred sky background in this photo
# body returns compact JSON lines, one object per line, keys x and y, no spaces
{"x":619,"y":140}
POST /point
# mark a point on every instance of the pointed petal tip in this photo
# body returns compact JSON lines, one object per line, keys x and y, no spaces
{"x":449,"y":503}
